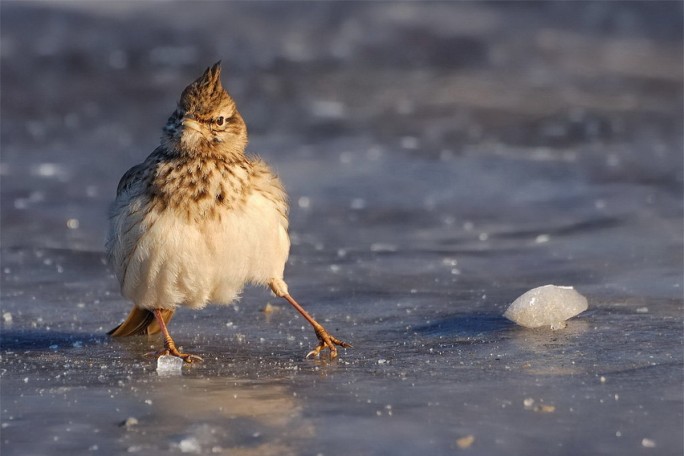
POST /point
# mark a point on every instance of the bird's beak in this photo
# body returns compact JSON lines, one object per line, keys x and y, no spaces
{"x":191,"y":124}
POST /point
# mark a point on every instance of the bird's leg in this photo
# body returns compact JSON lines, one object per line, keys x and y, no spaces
{"x":169,"y":345}
{"x":325,"y":339}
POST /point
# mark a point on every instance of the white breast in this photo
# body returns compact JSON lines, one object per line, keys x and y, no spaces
{"x":164,"y":260}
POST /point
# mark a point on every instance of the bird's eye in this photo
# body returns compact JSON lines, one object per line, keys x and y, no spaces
{"x":219,"y":121}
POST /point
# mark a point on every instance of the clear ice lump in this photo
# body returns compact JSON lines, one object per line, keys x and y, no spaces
{"x":548,"y":305}
{"x":169,"y":365}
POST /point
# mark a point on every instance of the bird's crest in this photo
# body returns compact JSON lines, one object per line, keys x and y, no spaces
{"x":205,"y":93}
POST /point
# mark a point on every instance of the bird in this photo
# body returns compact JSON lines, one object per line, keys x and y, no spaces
{"x":199,"y":219}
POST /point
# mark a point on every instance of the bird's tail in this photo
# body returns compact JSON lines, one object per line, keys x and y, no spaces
{"x":140,"y":322}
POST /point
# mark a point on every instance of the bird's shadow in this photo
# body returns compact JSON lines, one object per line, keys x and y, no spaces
{"x":463,"y":326}
{"x":42,"y":340}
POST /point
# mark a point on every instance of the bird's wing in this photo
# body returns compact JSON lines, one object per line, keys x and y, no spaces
{"x":268,"y":184}
{"x":138,"y":172}
{"x":130,"y":178}
{"x":127,"y":213}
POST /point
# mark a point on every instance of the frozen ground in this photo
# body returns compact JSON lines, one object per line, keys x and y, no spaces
{"x":442,"y":158}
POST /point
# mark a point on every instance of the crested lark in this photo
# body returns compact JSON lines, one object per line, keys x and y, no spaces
{"x":199,"y":219}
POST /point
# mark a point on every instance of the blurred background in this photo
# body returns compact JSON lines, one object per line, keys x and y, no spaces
{"x":87,"y":86}
{"x":441,"y":158}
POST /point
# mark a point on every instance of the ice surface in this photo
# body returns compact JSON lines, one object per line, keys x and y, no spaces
{"x":548,"y":305}
{"x":169,"y":365}
{"x":487,"y":148}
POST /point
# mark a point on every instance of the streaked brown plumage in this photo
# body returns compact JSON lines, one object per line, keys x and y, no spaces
{"x":199,"y":219}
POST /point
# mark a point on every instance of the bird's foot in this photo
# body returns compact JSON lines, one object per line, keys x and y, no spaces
{"x":326,"y":341}
{"x":173,"y":351}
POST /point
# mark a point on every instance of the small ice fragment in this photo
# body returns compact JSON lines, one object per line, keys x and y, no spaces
{"x":648,"y":443}
{"x":545,"y":408}
{"x":169,"y":365}
{"x":528,"y":402}
{"x":465,"y":442}
{"x":449,"y":261}
{"x":73,"y":224}
{"x":542,"y":238}
{"x":382,"y":361}
{"x":46,"y":170}
{"x":304,"y":202}
{"x":642,"y":310}
{"x":549,"y":305}
{"x":190,"y":445}
{"x":7,"y":317}
{"x":129,"y":422}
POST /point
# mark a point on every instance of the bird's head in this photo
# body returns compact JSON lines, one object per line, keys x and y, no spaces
{"x":206,"y":120}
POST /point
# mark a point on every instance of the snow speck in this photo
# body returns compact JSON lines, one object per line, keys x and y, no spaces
{"x":648,"y":443}
{"x":304,"y":202}
{"x":190,"y":445}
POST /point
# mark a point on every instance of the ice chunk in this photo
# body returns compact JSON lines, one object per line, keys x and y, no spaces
{"x":190,"y":445}
{"x":465,"y":442}
{"x":169,"y":365}
{"x":549,"y":305}
{"x":648,"y":443}
{"x":129,"y":422}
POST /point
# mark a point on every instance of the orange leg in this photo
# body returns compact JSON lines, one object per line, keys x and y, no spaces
{"x":169,"y":345}
{"x":325,"y":339}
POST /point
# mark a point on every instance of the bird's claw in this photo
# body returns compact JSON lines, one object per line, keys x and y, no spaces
{"x":173,"y":351}
{"x":326,"y":341}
